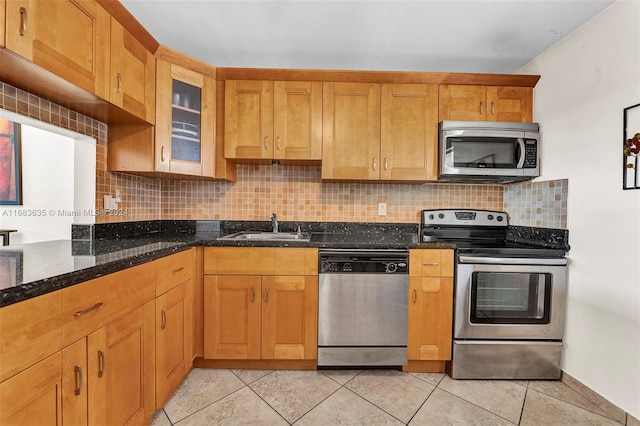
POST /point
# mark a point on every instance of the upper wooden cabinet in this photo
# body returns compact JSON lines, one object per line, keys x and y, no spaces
{"x":133,"y":74}
{"x":3,"y":10}
{"x":486,"y":103}
{"x":279,"y":120}
{"x":68,"y":38}
{"x":380,"y":132}
{"x":185,"y":120}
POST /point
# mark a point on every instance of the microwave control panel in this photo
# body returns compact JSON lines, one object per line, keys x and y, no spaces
{"x":530,"y":154}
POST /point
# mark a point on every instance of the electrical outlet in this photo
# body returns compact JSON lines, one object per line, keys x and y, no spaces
{"x":382,"y":209}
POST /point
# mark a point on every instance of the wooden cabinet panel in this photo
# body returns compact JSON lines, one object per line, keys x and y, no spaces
{"x":409,"y":132}
{"x":297,"y":120}
{"x":430,"y":318}
{"x":131,"y":288}
{"x":210,"y":260}
{"x":431,"y":263}
{"x":3,"y":7}
{"x":29,"y":332}
{"x":174,"y":339}
{"x":174,"y":269}
{"x":486,"y":103}
{"x":232,"y":316}
{"x":246,"y":260}
{"x":351,"y":131}
{"x":289,"y":312}
{"x":85,"y":308}
{"x":132,"y":74}
{"x":248,"y":121}
{"x":74,"y":384}
{"x":34,"y":396}
{"x":68,"y":37}
{"x":296,"y":261}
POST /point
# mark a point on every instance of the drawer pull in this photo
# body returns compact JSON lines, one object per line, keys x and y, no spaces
{"x":267,"y":296}
{"x":253,"y":294}
{"x":119,"y":87}
{"x":278,"y":143}
{"x":266,"y":143}
{"x":374,"y":164}
{"x":86,"y":311}
{"x":175,"y":271}
{"x":162,"y":154}
{"x":431,"y":264}
{"x":415,"y":295}
{"x":481,"y":107}
{"x":163,"y":319}
{"x":23,"y":22}
{"x":102,"y":363}
{"x":78,"y":372}
{"x":493,"y":108}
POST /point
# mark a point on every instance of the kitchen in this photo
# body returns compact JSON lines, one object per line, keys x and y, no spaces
{"x":590,"y":113}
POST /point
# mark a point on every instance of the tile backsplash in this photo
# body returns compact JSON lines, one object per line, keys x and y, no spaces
{"x":538,"y":204}
{"x":293,"y":192}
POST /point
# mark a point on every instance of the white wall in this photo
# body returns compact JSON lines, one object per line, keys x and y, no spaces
{"x":58,"y":169}
{"x":586,"y":81}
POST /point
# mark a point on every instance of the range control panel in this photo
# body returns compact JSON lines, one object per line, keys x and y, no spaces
{"x":464,"y":217}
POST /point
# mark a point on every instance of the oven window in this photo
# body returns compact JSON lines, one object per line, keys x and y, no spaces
{"x":483,"y":152}
{"x":510,"y":298}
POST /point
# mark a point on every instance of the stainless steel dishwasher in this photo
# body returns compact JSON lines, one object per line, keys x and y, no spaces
{"x":362,"y":308}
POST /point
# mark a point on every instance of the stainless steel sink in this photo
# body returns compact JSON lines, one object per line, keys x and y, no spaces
{"x":267,"y":236}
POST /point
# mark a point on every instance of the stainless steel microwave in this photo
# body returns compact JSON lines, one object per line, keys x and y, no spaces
{"x":488,"y":151}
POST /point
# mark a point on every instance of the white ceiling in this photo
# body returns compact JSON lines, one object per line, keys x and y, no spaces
{"x":477,"y":36}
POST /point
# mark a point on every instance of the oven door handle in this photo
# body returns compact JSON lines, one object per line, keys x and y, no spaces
{"x":513,"y":260}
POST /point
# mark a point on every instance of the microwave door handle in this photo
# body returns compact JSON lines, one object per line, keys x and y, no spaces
{"x":521,"y":159}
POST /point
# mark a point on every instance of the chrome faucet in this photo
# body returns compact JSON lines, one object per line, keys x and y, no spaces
{"x":274,"y":222}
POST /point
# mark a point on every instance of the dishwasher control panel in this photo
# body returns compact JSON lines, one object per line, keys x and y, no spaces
{"x":370,"y":262}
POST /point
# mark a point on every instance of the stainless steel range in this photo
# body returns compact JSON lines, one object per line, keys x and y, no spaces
{"x":509,"y":299}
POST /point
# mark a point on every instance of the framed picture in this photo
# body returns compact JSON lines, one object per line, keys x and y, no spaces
{"x":631,"y":147}
{"x":10,"y":163}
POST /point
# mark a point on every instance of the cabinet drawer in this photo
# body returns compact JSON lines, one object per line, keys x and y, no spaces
{"x":29,"y":332}
{"x":245,"y":260}
{"x":85,"y":308}
{"x":431,"y":262}
{"x":131,"y":288}
{"x":173,"y":270}
{"x":296,"y":261}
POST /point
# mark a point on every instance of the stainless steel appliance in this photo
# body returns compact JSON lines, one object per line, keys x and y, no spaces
{"x":488,"y":151}
{"x":362,"y":308}
{"x":509,"y":300}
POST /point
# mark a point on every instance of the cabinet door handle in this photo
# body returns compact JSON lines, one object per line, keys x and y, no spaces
{"x":102,"y":362}
{"x":119,"y":78}
{"x":493,"y":108}
{"x":386,"y":164}
{"x":253,"y":294}
{"x":163,"y":319}
{"x":267,"y":296}
{"x":266,"y":143}
{"x":175,"y":271}
{"x":375,"y":164}
{"x":23,"y":22}
{"x":431,"y":264}
{"x":78,"y":372}
{"x":415,"y":295}
{"x":278,"y":143}
{"x":481,"y":107}
{"x":162,"y":154}
{"x":86,"y":311}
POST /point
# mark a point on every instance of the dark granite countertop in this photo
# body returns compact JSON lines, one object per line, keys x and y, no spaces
{"x":30,"y":270}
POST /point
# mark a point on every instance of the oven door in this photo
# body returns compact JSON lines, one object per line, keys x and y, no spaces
{"x":510,"y":298}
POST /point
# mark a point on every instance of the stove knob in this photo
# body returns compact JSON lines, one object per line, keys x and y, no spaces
{"x":440,"y":215}
{"x":500,"y":218}
{"x":490,"y":217}
{"x":391,"y":267}
{"x":431,"y":216}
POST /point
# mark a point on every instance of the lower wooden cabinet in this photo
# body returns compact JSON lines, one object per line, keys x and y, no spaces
{"x":430,"y":305}
{"x":253,"y":317}
{"x":174,"y":339}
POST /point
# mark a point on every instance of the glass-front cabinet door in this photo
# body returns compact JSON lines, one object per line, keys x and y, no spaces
{"x":185,"y":121}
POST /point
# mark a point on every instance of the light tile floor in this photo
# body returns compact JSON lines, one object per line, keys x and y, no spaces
{"x":372,"y":397}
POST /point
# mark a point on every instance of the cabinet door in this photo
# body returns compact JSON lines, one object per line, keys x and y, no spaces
{"x":510,"y":103}
{"x":174,"y":339}
{"x":248,"y":119}
{"x":232,"y":317}
{"x":409,"y":132}
{"x":3,"y":7}
{"x":121,"y":370}
{"x":297,"y":120}
{"x":67,"y":37}
{"x":33,"y":396}
{"x":430,"y":318}
{"x":351,"y":131}
{"x":132,"y":82}
{"x":185,"y":121}
{"x":289,"y":317}
{"x":462,"y":102}
{"x":74,"y":384}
